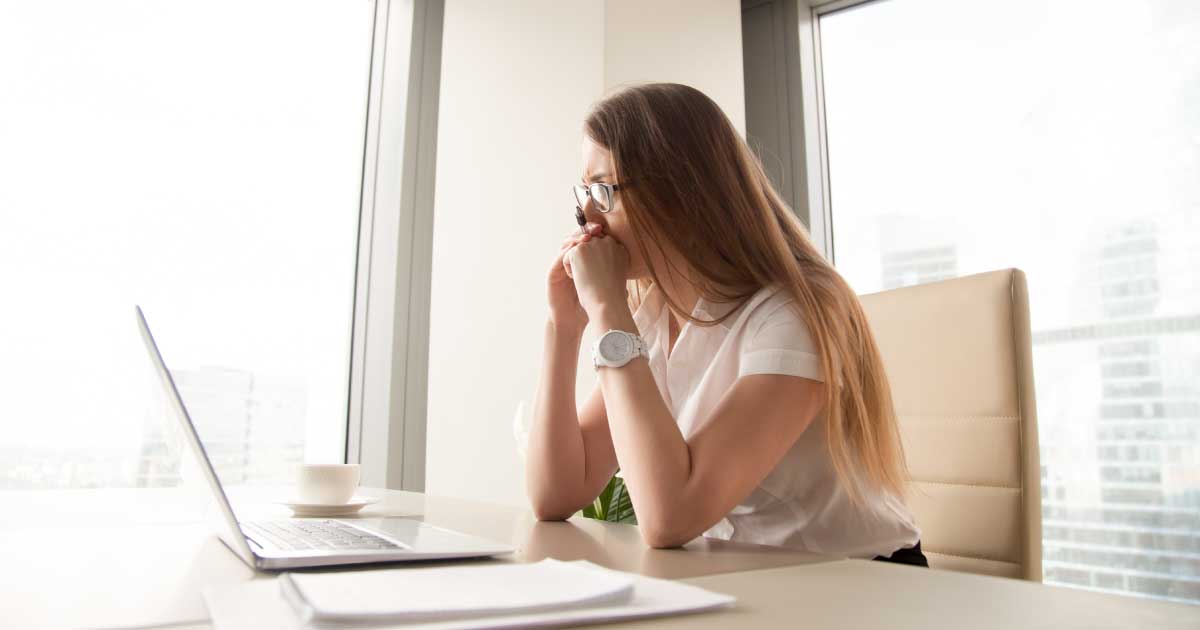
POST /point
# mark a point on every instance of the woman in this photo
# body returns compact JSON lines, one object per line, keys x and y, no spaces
{"x":740,"y":390}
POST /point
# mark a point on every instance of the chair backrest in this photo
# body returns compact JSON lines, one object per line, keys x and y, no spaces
{"x":958,"y":356}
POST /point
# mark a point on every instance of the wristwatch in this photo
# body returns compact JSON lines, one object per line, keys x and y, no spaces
{"x":616,"y":348}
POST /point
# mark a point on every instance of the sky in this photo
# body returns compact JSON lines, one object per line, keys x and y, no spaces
{"x":172,"y":155}
{"x":1022,"y":134}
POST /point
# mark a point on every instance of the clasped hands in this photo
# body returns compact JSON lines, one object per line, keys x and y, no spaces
{"x":588,"y":277}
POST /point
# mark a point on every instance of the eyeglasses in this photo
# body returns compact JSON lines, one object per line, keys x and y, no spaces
{"x":601,"y":195}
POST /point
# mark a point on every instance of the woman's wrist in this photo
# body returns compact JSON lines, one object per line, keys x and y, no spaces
{"x":615,"y":316}
{"x":566,"y":331}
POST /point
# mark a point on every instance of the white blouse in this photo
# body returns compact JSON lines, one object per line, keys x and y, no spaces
{"x":801,"y":503}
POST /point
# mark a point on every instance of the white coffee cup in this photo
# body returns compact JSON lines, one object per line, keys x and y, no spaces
{"x":328,"y":484}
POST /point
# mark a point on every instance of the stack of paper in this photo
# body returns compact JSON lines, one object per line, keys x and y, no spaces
{"x":545,"y":594}
{"x":454,"y":592}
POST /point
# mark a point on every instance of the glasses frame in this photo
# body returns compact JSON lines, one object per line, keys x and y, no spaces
{"x":583,"y":192}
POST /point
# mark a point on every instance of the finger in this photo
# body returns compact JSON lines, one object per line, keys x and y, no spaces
{"x":562,"y":254}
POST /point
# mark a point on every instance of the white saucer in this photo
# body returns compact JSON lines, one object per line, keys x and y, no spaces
{"x":300,"y":508}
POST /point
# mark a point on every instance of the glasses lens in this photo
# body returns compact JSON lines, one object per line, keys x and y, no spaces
{"x":600,"y":193}
{"x":581,"y":195}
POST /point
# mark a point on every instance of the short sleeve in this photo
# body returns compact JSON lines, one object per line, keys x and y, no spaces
{"x":780,"y":344}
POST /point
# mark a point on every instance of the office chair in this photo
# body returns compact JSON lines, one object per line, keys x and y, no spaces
{"x":958,"y":356}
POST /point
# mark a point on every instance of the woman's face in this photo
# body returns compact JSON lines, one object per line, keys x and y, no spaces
{"x":598,"y":167}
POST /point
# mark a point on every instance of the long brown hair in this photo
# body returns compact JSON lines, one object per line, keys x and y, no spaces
{"x":694,"y":184}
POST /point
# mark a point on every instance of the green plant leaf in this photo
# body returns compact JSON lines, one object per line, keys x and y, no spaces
{"x":599,"y":508}
{"x":613,"y":504}
{"x":620,"y":507}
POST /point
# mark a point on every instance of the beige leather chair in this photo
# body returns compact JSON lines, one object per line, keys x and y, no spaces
{"x":958,"y":357}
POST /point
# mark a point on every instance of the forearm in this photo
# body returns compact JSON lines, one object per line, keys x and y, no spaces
{"x":655,"y":459}
{"x":555,"y":465}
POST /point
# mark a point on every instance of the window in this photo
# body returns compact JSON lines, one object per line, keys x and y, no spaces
{"x":1062,"y":138}
{"x":203,"y":160}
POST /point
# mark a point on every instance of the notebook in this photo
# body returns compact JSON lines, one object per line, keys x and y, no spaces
{"x":262,"y":605}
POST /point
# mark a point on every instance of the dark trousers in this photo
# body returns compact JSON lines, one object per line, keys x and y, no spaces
{"x":908,"y":555}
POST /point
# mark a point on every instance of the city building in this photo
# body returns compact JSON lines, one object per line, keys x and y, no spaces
{"x":252,"y":430}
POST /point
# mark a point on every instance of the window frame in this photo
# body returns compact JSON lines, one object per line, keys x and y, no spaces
{"x":804,"y":154}
{"x":389,"y":357}
{"x":816,"y":136}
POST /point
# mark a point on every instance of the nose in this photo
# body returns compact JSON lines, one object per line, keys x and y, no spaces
{"x":592,"y":215}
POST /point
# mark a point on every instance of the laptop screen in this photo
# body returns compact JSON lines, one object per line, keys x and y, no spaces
{"x":232,"y":532}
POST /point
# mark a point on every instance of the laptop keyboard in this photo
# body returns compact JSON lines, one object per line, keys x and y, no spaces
{"x":312,"y":534}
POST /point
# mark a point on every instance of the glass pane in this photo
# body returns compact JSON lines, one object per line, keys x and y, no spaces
{"x":202,"y":160}
{"x":1062,"y":138}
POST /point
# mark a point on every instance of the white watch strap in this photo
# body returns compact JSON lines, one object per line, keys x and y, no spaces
{"x":640,"y":346}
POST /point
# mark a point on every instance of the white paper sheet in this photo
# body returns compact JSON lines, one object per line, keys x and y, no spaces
{"x":409,"y":595}
{"x":258,"y":605}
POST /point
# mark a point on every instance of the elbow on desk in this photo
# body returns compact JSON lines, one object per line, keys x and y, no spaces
{"x":545,"y":509}
{"x":547,"y":504}
{"x":663,"y":535}
{"x":543,"y":513}
{"x":659,"y":541}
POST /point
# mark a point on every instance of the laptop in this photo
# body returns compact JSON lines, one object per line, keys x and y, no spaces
{"x":303,"y":542}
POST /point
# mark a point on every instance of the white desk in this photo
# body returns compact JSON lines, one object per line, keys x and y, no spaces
{"x":122,"y":558}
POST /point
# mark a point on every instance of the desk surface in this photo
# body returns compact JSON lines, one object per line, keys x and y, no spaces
{"x":130,"y":558}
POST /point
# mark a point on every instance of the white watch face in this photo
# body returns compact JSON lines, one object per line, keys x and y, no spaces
{"x":616,"y":347}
